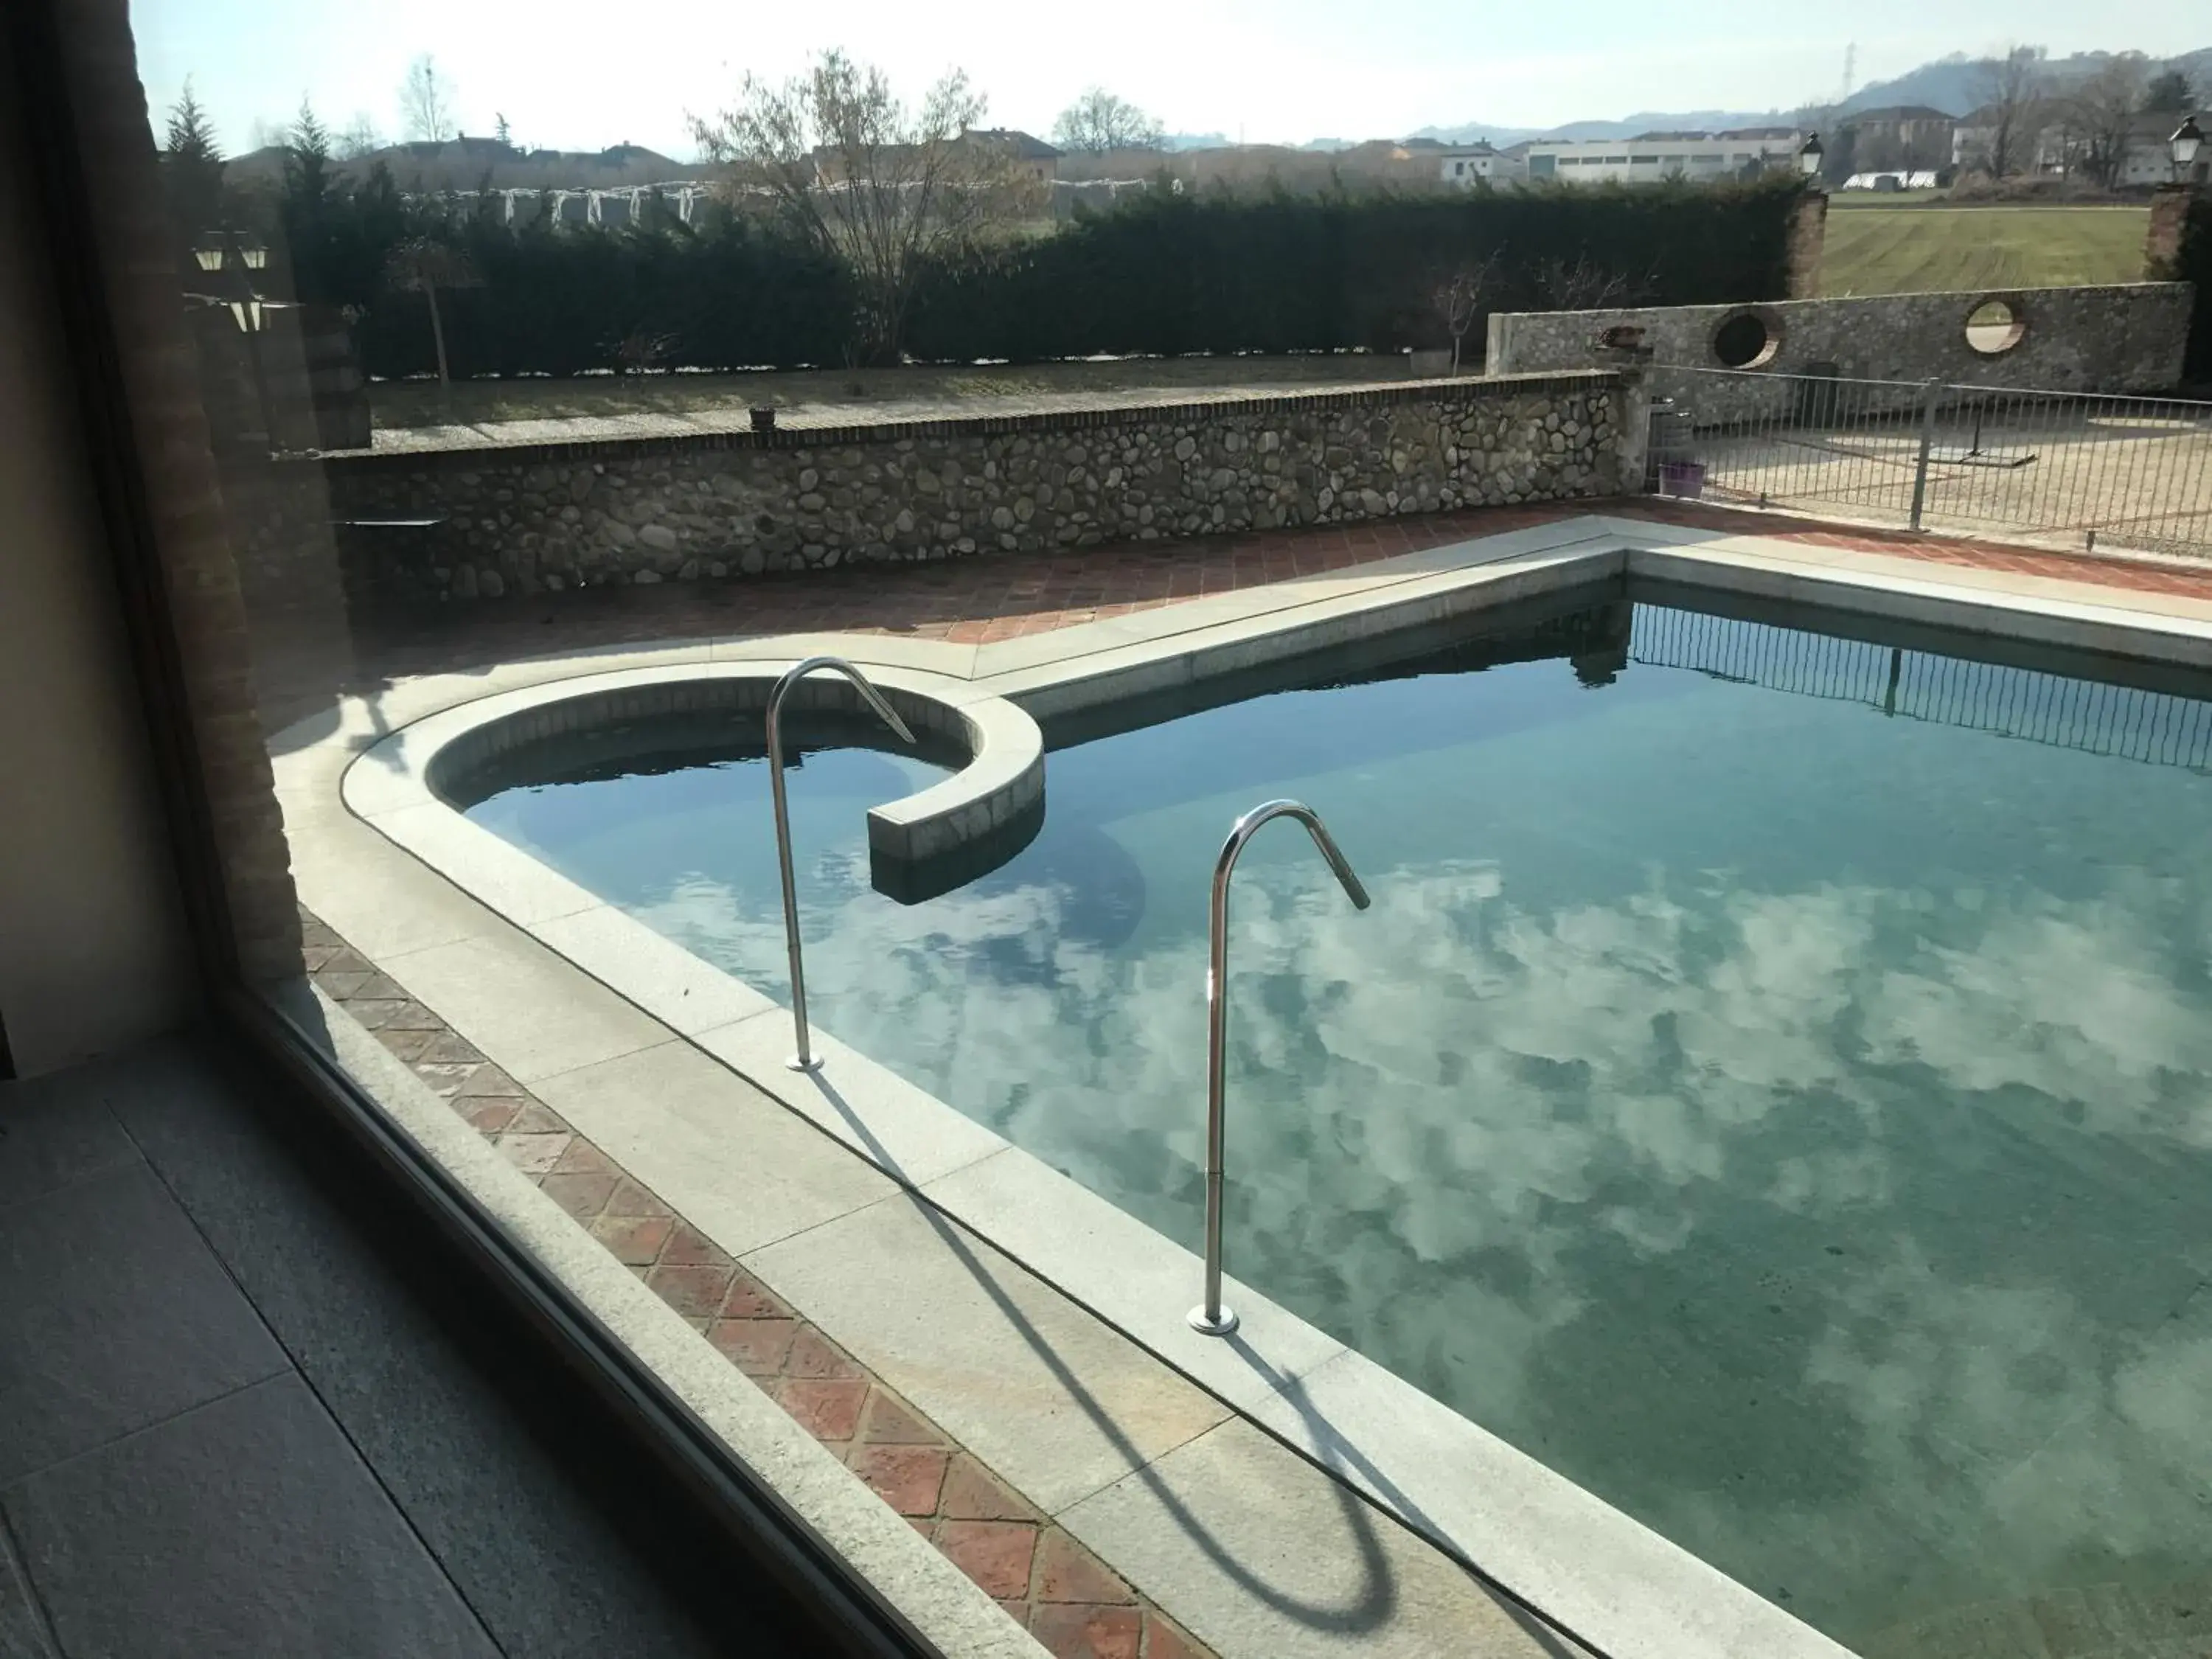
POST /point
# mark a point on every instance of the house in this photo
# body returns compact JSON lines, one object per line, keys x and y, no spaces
{"x":1031,"y":156}
{"x":1741,"y":152}
{"x":2145,"y":159}
{"x":1974,"y":136}
{"x":1466,"y":165}
{"x":1903,"y":137}
{"x":2053,"y":138}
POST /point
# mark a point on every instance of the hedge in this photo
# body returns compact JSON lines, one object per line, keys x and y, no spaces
{"x":2194,"y":264}
{"x":1163,"y":274}
{"x":1225,"y":274}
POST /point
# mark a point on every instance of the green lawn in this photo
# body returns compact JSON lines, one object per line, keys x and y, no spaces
{"x":1910,"y":250}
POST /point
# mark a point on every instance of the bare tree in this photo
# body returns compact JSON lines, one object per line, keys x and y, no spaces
{"x":884,"y":189}
{"x":2009,"y":89}
{"x":1458,"y":299}
{"x":1098,"y":122}
{"x":360,"y":138}
{"x":425,"y":102}
{"x":423,"y":266}
{"x":1581,"y":284}
{"x":2100,"y":120}
{"x":639,"y":350}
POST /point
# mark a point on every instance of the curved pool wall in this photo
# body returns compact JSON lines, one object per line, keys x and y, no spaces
{"x":1598,"y":1572}
{"x":921,"y":844}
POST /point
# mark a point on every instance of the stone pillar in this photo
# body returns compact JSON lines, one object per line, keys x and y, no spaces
{"x":2169,"y":219}
{"x":1808,"y":240}
{"x":1631,"y":421}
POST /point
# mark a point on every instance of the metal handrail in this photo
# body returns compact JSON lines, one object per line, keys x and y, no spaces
{"x":805,"y":1060}
{"x":1211,"y":1318}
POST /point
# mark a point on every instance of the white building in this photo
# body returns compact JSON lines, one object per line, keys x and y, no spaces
{"x":1466,"y":165}
{"x":1656,"y":155}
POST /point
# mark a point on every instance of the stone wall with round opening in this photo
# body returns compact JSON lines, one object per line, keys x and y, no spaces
{"x":1746,"y":340}
{"x":1995,"y":326}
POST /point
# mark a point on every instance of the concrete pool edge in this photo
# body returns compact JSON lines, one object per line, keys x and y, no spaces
{"x":1550,"y":1543}
{"x":1003,"y":773}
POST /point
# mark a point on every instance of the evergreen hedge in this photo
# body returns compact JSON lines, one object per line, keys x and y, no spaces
{"x":1176,"y":274}
{"x":2194,"y":265}
{"x":1163,"y":273}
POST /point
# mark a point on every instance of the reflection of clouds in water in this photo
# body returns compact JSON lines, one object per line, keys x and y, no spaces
{"x":1444,"y":1106}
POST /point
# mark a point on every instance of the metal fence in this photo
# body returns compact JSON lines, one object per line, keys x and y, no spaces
{"x":2079,"y":470}
{"x":2155,"y":727}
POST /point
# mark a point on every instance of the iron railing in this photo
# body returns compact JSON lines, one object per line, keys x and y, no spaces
{"x":2074,"y":469}
{"x":2034,"y":705}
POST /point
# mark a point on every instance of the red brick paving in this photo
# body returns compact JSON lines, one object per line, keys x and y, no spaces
{"x":987,"y":597}
{"x":1075,"y":1605}
{"x":972,"y":601}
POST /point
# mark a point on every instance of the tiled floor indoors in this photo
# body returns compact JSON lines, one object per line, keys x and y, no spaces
{"x":1067,"y":1597}
{"x":244,"y":1410}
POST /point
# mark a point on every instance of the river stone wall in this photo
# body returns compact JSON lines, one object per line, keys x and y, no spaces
{"x":550,"y":517}
{"x":2126,"y":337}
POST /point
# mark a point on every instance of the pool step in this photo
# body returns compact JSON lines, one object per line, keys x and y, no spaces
{"x":2104,"y":1621}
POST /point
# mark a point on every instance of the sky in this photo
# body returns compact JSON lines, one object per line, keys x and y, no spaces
{"x":573,"y":76}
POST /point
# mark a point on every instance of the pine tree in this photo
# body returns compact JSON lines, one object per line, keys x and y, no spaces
{"x":191,"y":174}
{"x":307,"y":157}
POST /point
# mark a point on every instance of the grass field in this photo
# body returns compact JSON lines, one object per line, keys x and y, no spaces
{"x":1914,"y":249}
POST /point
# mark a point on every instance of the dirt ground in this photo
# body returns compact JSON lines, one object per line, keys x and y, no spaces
{"x":831,"y":396}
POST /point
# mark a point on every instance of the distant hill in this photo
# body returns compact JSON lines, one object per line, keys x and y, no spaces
{"x":1949,"y":84}
{"x":1627,"y":126}
{"x":1179,"y":141}
{"x":1953,"y":84}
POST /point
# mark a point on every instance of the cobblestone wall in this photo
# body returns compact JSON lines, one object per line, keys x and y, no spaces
{"x":2125,"y":337}
{"x":735,"y":504}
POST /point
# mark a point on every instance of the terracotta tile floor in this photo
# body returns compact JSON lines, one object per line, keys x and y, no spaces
{"x":1071,"y":1602}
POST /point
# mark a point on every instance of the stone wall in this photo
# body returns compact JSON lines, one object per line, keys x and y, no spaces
{"x":2127,"y":337}
{"x":549,"y":517}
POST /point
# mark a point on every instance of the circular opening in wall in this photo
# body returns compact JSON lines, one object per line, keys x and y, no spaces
{"x":1995,"y":326}
{"x":1746,"y":340}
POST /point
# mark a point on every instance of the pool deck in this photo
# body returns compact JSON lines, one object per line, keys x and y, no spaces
{"x":999,"y":1355}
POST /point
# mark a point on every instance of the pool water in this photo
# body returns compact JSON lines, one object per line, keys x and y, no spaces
{"x":1771,"y":1091}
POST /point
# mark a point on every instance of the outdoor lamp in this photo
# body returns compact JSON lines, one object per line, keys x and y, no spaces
{"x":2188,"y":139}
{"x":255,"y":255}
{"x":207,"y":255}
{"x":1809,"y":159}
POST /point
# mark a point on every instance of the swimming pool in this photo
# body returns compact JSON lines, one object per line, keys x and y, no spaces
{"x":1767,"y":1089}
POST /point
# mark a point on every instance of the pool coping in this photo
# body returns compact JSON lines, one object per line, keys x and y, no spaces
{"x":1600,"y":1575}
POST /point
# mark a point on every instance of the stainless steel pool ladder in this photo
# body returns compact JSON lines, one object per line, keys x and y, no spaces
{"x":1210,"y":1317}
{"x":805,"y":1060}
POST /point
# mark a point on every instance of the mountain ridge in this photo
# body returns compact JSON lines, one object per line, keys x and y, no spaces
{"x":1945,"y":83}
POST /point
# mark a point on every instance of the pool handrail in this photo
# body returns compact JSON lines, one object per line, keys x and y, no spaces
{"x":805,"y":1060}
{"x":1210,"y":1318}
